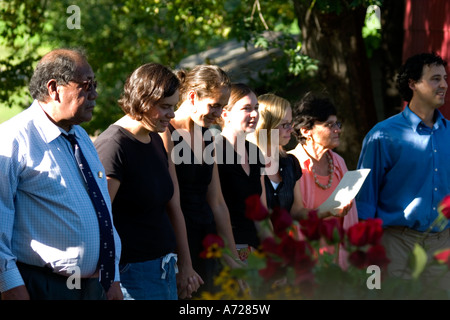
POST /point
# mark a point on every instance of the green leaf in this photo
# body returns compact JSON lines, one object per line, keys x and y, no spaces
{"x":419,"y":261}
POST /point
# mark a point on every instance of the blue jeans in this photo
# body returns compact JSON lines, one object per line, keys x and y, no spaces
{"x":150,"y":280}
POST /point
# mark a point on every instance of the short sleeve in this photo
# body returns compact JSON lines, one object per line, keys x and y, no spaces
{"x":297,"y":168}
{"x":111,"y":155}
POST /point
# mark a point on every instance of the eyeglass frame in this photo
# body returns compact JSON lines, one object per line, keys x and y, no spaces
{"x":287,"y":125}
{"x":330,"y":125}
{"x":87,"y":85}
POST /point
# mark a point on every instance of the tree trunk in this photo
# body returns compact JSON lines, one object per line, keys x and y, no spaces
{"x":335,"y":40}
{"x":391,"y":52}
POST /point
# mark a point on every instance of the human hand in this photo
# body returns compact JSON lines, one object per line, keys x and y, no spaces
{"x":188,"y":282}
{"x":114,"y":292}
{"x":343,"y":212}
{"x":17,"y":293}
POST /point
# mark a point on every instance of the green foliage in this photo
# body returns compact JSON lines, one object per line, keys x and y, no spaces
{"x":20,"y":27}
{"x":118,"y":36}
{"x":338,"y":6}
{"x":371,"y":32}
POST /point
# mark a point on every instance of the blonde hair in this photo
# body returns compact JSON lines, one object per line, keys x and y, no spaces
{"x":272,"y":110}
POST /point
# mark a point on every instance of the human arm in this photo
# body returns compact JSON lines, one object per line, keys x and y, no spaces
{"x":12,"y":285}
{"x":370,"y":157}
{"x":299,"y":212}
{"x":261,"y":227}
{"x":17,"y":293}
{"x":115,"y":292}
{"x":188,"y":281}
{"x":221,"y":214}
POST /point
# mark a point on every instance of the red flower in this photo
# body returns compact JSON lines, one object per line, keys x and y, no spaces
{"x":376,"y":255}
{"x":270,"y":246}
{"x":310,"y":227}
{"x":332,"y":230}
{"x":374,"y":231}
{"x":298,"y":254}
{"x":365,"y":232}
{"x":444,"y":206}
{"x":272,"y":269}
{"x":358,"y":258}
{"x":254,"y":209}
{"x":357,"y":234}
{"x":443,"y":256}
{"x":211,"y":239}
{"x":281,"y":220}
{"x":212,"y":244}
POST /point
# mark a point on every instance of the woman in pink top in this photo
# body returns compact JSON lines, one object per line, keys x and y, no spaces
{"x":317,"y":131}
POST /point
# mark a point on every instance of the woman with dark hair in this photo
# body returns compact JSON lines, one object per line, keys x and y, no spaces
{"x":317,"y":130}
{"x":204,"y":91}
{"x":144,"y":190}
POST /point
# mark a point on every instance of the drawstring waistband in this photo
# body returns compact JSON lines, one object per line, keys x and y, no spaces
{"x":166,"y":260}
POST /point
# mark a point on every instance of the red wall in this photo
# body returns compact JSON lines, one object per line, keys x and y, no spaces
{"x":427,"y":28}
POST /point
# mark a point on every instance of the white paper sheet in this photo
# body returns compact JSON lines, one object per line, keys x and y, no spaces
{"x":345,"y":192}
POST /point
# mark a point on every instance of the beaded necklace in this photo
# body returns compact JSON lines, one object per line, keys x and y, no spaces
{"x":330,"y":173}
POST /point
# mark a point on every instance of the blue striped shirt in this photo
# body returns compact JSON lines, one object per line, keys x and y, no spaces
{"x":410,"y":173}
{"x":46,"y":214}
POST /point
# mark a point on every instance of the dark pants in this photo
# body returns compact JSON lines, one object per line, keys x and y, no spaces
{"x":43,"y":284}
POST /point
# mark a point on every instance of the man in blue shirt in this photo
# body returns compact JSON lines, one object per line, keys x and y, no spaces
{"x":49,"y":231}
{"x":409,"y":158}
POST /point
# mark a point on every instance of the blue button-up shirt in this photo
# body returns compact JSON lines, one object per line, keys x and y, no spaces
{"x":46,"y":214}
{"x":410,"y":173}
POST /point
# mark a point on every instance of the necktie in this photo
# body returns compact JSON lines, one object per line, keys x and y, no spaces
{"x":107,"y":247}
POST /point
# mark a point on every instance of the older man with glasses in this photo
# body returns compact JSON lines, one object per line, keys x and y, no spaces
{"x":57,"y":240}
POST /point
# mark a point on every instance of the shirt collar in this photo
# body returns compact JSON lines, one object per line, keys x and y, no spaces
{"x":47,"y":128}
{"x":303,"y":157}
{"x":415,"y":120}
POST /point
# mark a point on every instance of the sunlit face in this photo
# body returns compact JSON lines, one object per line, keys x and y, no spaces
{"x":285,"y":128}
{"x":159,"y":115}
{"x":243,"y":115}
{"x":326,"y":134}
{"x":430,"y":90}
{"x":208,"y":109}
{"x":77,"y":104}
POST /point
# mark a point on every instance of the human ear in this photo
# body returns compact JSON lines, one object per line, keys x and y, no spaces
{"x":52,"y":89}
{"x":191,"y":96}
{"x":412,"y":84}
{"x":224,"y":114}
{"x":305,"y":132}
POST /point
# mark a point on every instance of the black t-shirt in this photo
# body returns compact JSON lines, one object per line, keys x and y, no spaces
{"x":283,"y":195}
{"x":139,"y":207}
{"x":194,"y":176}
{"x":237,"y":186}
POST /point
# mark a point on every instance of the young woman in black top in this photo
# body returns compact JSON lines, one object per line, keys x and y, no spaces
{"x":241,"y":163}
{"x":144,"y":190}
{"x":204,"y":91}
{"x":282,"y":178}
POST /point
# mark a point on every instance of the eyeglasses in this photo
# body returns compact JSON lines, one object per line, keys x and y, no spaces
{"x":87,"y":85}
{"x":287,"y":125}
{"x":333,"y":125}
